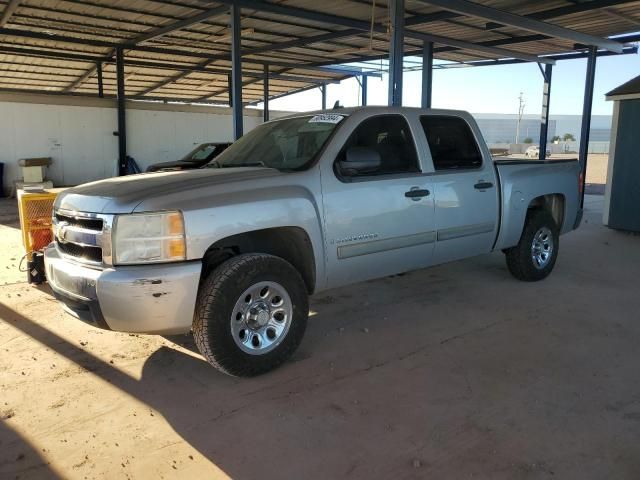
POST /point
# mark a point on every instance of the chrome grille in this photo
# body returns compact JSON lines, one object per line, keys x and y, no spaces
{"x":84,"y":237}
{"x":82,"y":222}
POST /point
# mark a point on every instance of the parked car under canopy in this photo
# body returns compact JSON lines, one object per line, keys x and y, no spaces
{"x":196,"y":158}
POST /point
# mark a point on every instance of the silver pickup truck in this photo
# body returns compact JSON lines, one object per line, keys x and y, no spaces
{"x":300,"y":205}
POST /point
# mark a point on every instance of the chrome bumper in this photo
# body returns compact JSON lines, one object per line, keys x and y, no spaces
{"x":142,"y":299}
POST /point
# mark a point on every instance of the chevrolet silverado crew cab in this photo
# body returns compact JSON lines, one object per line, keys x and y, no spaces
{"x":299,"y":205}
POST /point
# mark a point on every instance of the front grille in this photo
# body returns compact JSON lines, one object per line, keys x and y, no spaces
{"x":91,"y":254}
{"x":79,"y":236}
{"x":88,"y":223}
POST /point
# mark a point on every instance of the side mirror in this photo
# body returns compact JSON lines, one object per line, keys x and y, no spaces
{"x":360,"y":160}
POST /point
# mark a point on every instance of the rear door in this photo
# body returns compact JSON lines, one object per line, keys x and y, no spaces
{"x":466,"y":190}
{"x":380,"y":222}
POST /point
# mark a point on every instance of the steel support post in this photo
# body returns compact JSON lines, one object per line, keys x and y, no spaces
{"x":122,"y":127}
{"x":265,"y":88}
{"x":427,"y":73}
{"x":586,"y":116}
{"x":323,"y":90}
{"x":236,"y":71}
{"x":100,"y":83}
{"x":364,"y":90}
{"x":544,"y":121}
{"x":396,"y":52}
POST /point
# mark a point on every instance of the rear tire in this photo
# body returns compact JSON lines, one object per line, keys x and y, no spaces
{"x":251,"y":314}
{"x":535,"y":255}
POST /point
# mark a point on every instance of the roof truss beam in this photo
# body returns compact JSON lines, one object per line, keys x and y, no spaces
{"x":187,"y":22}
{"x":176,"y":52}
{"x":489,"y":50}
{"x":559,"y":57}
{"x":619,"y":16}
{"x":87,"y":75}
{"x":446,"y":15}
{"x":315,"y":16}
{"x":502,"y":17}
{"x":8,"y":12}
{"x":435,"y":17}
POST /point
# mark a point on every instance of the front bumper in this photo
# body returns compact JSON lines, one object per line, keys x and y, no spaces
{"x":157,"y":299}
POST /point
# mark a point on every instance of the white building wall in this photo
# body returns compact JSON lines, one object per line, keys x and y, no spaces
{"x":77,"y":133}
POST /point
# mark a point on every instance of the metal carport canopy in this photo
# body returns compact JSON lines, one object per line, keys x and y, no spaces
{"x":181,"y":50}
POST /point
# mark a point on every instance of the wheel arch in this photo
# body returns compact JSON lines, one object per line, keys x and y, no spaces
{"x":290,"y":243}
{"x":514,"y":215}
{"x":554,"y":203}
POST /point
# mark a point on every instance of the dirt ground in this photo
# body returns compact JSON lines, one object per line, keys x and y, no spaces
{"x":597,"y":168}
{"x":458,"y":371}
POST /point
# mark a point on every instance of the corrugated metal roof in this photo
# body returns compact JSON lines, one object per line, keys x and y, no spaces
{"x":54,"y":45}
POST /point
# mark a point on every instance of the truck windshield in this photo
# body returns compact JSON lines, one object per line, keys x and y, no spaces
{"x":288,"y":144}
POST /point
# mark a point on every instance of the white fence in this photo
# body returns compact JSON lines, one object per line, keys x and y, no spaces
{"x":561,"y":147}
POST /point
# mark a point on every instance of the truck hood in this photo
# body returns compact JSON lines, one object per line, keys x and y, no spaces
{"x":123,"y":194}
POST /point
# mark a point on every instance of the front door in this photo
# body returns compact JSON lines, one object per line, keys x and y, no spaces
{"x":380,"y":221}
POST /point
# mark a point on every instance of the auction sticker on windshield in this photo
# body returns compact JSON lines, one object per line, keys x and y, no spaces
{"x":326,"y":118}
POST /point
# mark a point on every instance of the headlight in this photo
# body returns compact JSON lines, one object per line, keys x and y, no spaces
{"x":149,"y":238}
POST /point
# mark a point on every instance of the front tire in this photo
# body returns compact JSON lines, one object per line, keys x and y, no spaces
{"x":535,"y":255}
{"x":251,"y":314}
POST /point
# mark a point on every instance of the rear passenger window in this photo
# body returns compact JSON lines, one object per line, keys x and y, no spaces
{"x":390,"y":137}
{"x":451,"y":142}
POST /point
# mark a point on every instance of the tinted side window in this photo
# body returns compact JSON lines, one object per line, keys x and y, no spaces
{"x":391,"y":137}
{"x":451,"y":143}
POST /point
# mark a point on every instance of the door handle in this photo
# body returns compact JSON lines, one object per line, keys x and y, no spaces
{"x":483,"y":185}
{"x":416,"y":193}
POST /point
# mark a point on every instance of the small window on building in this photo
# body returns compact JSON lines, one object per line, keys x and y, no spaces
{"x":451,"y":141}
{"x":390,"y":136}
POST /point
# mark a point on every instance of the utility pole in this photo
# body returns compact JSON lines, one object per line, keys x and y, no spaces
{"x":521,"y":105}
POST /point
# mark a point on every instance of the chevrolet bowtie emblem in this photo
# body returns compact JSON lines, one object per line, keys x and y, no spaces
{"x":61,"y":232}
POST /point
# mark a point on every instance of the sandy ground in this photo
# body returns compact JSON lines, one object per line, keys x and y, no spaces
{"x":597,"y":168}
{"x":11,"y":251}
{"x":458,"y":371}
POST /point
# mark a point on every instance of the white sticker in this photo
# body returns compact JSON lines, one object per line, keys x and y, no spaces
{"x":326,"y":118}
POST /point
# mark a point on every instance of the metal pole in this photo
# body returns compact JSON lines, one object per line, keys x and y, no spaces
{"x":586,"y":116}
{"x":364,"y":90}
{"x":100,"y":84}
{"x":323,"y":90}
{"x":544,"y":121}
{"x":396,"y":52}
{"x":236,"y":71}
{"x":230,"y":89}
{"x":427,"y":73}
{"x":265,"y":85}
{"x":521,"y":105}
{"x":122,"y":128}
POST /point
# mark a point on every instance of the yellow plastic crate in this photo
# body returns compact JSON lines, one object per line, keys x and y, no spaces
{"x":35,"y":210}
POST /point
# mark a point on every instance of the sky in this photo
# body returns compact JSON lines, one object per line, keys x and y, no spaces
{"x":492,"y":89}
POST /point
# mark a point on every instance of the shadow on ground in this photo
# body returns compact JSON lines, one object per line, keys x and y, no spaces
{"x":450,"y":372}
{"x":594,"y":188}
{"x":27,"y":463}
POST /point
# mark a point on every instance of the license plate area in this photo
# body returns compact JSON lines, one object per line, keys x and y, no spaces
{"x":77,"y":281}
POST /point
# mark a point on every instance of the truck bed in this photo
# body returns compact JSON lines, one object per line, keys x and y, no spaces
{"x":524,"y":180}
